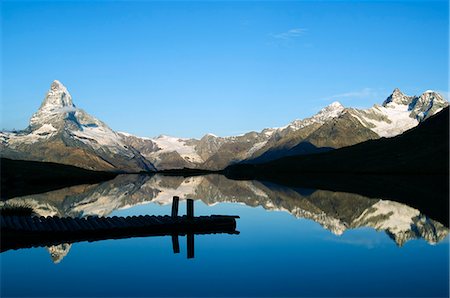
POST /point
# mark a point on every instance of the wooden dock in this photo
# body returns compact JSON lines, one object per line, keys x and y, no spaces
{"x":25,"y":231}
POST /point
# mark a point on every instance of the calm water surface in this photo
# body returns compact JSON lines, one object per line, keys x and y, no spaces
{"x":292,"y":242}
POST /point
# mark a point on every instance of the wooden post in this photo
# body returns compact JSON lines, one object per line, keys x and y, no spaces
{"x":190,"y":246}
{"x":190,"y":208}
{"x":175,"y":206}
{"x":175,"y":244}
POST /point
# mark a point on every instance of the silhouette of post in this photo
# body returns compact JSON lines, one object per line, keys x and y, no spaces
{"x":190,"y":208}
{"x":175,"y":206}
{"x":175,"y":244}
{"x":190,"y":246}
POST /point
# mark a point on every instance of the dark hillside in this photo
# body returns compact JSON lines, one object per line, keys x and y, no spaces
{"x":19,"y":177}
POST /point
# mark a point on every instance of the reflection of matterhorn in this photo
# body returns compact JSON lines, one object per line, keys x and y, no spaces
{"x":58,"y":252}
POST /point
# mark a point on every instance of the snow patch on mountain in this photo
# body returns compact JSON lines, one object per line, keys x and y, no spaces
{"x":333,"y":110}
{"x":255,"y":148}
{"x":387,"y":121}
{"x":169,"y":144}
{"x":131,"y":135}
{"x":399,"y":112}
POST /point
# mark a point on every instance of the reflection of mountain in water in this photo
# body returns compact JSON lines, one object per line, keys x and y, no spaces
{"x":335,"y":211}
{"x":58,"y":252}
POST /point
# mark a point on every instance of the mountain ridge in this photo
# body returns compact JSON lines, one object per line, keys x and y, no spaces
{"x":61,"y":132}
{"x":408,"y":153}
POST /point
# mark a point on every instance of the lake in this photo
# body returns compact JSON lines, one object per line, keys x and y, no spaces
{"x":293,"y":241}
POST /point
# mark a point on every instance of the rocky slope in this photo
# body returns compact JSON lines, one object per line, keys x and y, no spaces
{"x":60,"y":132}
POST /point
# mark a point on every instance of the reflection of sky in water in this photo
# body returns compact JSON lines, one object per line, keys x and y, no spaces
{"x":275,"y":254}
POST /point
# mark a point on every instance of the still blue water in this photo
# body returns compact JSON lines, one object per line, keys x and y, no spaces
{"x":275,"y":254}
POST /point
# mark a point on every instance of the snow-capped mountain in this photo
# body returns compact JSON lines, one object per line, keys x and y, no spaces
{"x":60,"y":132}
{"x":213,"y":152}
{"x":400,"y":112}
{"x":333,"y":127}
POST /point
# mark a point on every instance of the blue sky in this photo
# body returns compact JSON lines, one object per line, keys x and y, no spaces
{"x":189,"y":68}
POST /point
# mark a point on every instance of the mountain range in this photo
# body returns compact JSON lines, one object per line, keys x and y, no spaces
{"x":422,"y":150}
{"x":61,"y":132}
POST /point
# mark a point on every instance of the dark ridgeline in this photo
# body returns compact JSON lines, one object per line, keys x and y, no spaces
{"x":20,"y":177}
{"x":21,"y":231}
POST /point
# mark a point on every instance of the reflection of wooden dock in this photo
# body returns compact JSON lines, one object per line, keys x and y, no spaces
{"x":24,"y":231}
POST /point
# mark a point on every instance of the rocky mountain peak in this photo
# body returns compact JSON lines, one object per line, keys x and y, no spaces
{"x":398,"y":97}
{"x":427,"y":104}
{"x":397,"y":92}
{"x":431,"y":95}
{"x":57,"y":97}
{"x":331,"y":111}
{"x":57,"y":103}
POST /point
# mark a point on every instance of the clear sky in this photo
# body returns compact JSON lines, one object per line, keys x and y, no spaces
{"x":189,"y":68}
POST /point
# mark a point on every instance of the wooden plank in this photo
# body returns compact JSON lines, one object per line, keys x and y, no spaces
{"x":134,"y":220}
{"x":44,"y":223}
{"x":60,"y":224}
{"x":80,"y":223}
{"x":75,"y":224}
{"x":151,"y":220}
{"x":70,"y":224}
{"x":168,"y":227}
{"x":189,"y":208}
{"x":175,"y":244}
{"x":108,"y":222}
{"x":25,"y":224}
{"x":148,"y":220}
{"x":9,"y":223}
{"x":190,"y":245}
{"x":2,"y":221}
{"x":175,"y":203}
{"x":142,"y":221}
{"x":52,"y":221}
{"x":122,"y":223}
{"x":16,"y":221}
{"x":38,"y":224}
{"x":88,"y":225}
{"x":30,"y":223}
{"x":92,"y":224}
{"x":99,"y":221}
{"x":116,"y":222}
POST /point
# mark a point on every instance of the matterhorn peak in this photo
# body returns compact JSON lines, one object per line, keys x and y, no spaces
{"x":57,"y":102}
{"x":57,"y":97}
{"x":57,"y":85}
